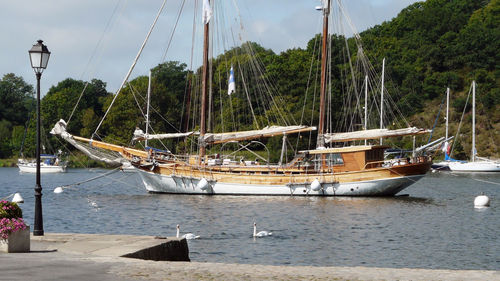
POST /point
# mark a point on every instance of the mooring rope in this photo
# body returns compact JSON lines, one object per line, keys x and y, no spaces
{"x":91,"y":179}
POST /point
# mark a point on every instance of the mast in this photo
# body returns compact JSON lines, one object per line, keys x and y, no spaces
{"x":147,"y":110}
{"x":324,"y":56}
{"x":204,"y":88}
{"x":366,"y":102}
{"x":382,"y":99}
{"x":447,"y":111}
{"x":188,"y":105}
{"x":473,"y":156}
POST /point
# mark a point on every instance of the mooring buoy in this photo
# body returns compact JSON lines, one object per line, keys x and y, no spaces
{"x":481,"y":201}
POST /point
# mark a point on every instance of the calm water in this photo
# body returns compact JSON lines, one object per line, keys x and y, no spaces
{"x":435,"y":227}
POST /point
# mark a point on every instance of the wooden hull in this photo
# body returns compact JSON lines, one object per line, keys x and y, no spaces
{"x":371,"y":182}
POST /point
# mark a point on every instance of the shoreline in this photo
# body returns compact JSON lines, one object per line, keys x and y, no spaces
{"x":226,"y":271}
{"x":99,"y":257}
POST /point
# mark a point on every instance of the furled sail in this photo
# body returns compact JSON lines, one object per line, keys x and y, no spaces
{"x":268,"y":131}
{"x":373,"y":134}
{"x":140,"y":135}
{"x":100,"y":151}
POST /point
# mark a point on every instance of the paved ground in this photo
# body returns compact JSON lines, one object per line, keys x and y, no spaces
{"x":84,"y":257}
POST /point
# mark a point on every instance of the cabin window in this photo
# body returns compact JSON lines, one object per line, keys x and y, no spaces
{"x":334,"y":159}
{"x":374,"y":155}
{"x":330,"y":159}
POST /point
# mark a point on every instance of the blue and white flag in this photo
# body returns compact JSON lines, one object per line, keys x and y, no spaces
{"x":207,"y":11}
{"x":232,"y":86}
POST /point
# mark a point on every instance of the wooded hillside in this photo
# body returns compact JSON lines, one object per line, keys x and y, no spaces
{"x":429,"y":46}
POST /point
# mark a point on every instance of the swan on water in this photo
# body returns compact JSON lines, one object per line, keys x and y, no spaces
{"x":188,"y":236}
{"x":260,"y":233}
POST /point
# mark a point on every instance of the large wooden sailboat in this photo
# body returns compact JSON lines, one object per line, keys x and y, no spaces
{"x":355,"y":170}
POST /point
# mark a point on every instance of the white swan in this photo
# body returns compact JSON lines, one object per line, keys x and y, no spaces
{"x":260,"y":233}
{"x":187,"y":236}
{"x":190,"y":236}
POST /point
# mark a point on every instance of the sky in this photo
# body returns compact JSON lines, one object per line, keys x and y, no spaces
{"x":100,"y":38}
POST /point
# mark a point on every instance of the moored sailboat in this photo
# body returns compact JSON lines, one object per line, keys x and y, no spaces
{"x":48,"y":164}
{"x":476,"y":164}
{"x":355,"y":170}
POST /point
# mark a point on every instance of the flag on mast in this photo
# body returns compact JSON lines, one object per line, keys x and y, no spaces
{"x":232,"y":86}
{"x":207,"y":11}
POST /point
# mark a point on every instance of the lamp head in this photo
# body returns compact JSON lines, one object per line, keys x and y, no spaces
{"x":39,"y":57}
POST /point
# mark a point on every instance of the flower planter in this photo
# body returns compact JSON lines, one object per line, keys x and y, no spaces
{"x":17,"y":242}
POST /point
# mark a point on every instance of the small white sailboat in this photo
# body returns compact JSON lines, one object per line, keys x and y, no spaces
{"x":476,"y":164}
{"x":444,"y":165}
{"x":48,"y":164}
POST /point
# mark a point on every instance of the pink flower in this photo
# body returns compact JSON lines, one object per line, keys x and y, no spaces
{"x":8,"y":226}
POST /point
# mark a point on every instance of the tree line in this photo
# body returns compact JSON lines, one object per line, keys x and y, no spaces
{"x":430,"y":45}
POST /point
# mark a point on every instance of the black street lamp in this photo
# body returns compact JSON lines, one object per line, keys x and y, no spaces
{"x":39,"y":57}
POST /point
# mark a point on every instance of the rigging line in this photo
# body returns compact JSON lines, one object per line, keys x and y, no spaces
{"x":94,"y":178}
{"x":221,"y":100}
{"x":309,"y":86}
{"x":173,"y":31}
{"x":437,"y":117}
{"x":132,"y":90}
{"x":142,"y":112}
{"x":230,"y":98}
{"x":247,"y":95}
{"x":113,"y":180}
{"x":24,"y":135}
{"x":157,"y":112}
{"x":106,"y":29}
{"x":71,"y":153}
{"x":277,"y":102}
{"x":308,"y":83}
{"x":485,"y":181}
{"x":125,"y":176}
{"x":256,"y":66}
{"x":131,"y":68}
{"x":460,"y":124}
{"x":78,"y":102}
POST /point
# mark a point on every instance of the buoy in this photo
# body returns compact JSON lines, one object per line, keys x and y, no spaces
{"x":58,"y":189}
{"x":481,"y":201}
{"x":17,"y":198}
{"x":202,"y":184}
{"x":315,"y":185}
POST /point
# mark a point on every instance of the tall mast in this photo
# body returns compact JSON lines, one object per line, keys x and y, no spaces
{"x":366,"y":103}
{"x":473,"y":156}
{"x":204,"y":89}
{"x":447,"y":111}
{"x":382,"y":99}
{"x":147,"y":109}
{"x":188,"y":104}
{"x":324,"y":57}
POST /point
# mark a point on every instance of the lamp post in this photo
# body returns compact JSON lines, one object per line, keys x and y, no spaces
{"x":39,"y":57}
